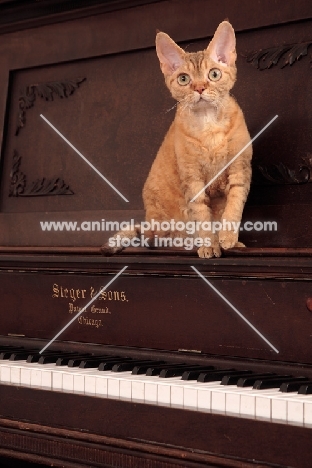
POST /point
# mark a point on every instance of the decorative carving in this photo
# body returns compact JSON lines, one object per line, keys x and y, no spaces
{"x":288,"y":54}
{"x":39,"y":188}
{"x":280,"y":174}
{"x":62,"y":89}
{"x":18,"y":178}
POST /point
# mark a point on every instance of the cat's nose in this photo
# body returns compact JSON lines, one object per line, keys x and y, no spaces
{"x":199,"y":89}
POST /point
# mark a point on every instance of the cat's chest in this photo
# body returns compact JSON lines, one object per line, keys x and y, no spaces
{"x":211,"y":151}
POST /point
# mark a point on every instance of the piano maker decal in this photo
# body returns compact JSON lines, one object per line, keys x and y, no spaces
{"x":93,"y":315}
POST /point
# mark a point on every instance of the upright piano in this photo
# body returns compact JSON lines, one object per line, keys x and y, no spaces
{"x":151,"y":358}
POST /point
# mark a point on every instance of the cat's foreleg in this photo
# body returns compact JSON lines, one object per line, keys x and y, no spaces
{"x":232,"y":215}
{"x":118,"y":242}
{"x":200,"y":212}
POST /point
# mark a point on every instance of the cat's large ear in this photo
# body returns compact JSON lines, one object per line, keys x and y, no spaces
{"x":222,"y":47}
{"x":169,"y":53}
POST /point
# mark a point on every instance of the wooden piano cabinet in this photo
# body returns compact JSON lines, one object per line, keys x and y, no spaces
{"x":90,"y":69}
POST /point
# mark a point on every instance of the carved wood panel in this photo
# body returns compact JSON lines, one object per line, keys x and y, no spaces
{"x":114,"y":111}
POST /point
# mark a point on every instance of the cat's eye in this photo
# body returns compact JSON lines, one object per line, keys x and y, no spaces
{"x":214,"y":74}
{"x":184,"y":79}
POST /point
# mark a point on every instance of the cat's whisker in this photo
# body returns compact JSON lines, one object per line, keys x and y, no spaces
{"x":168,"y":110}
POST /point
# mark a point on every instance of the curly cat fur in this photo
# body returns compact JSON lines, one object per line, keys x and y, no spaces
{"x":208,"y":131}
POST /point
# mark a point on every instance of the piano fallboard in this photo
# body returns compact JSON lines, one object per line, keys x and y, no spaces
{"x":161,"y":302}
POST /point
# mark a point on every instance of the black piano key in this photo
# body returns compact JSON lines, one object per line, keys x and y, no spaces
{"x":180,"y":370}
{"x":214,"y":375}
{"x":305,"y":389}
{"x":54,"y":358}
{"x":11,"y":348}
{"x":195,"y":373}
{"x":232,"y":379}
{"x":275,"y":382}
{"x":35,"y":356}
{"x":142,"y":368}
{"x":7,"y":353}
{"x":287,"y":387}
{"x":109,"y":364}
{"x":63,"y":360}
{"x":76,"y":361}
{"x":249,"y":380}
{"x":129,"y":365}
{"x":156,"y":370}
{"x":106,"y":363}
{"x":90,"y":363}
{"x":21,"y":355}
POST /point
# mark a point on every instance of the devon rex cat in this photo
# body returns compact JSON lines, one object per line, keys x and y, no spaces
{"x":207,"y":132}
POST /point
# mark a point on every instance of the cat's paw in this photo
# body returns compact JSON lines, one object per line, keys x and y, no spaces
{"x":209,"y":252}
{"x":239,"y":244}
{"x":228,"y":239}
{"x":108,"y":251}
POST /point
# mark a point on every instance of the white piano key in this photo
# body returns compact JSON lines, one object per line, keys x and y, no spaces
{"x":177,"y":395}
{"x":203,"y":399}
{"x":15,"y":375}
{"x":232,"y":402}
{"x":138,"y":390}
{"x":151,"y":389}
{"x":113,"y":384}
{"x":46,"y":380}
{"x":295,"y":410}
{"x":90,"y":384}
{"x":164,"y":389}
{"x":113,"y":387}
{"x":248,"y":401}
{"x":307,"y":416}
{"x":267,"y":404}
{"x":78,"y":383}
{"x":35,"y":377}
{"x":57,"y":380}
{"x":125,"y":389}
{"x":190,"y":395}
{"x":67,"y":374}
{"x":264,"y":403}
{"x":204,"y":394}
{"x":226,"y":398}
{"x":151,"y":392}
{"x":279,"y":408}
{"x":25,"y":376}
{"x":5,"y":373}
{"x":68,"y":381}
{"x":101,"y":385}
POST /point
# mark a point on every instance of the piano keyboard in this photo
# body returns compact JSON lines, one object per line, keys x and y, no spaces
{"x":241,"y":393}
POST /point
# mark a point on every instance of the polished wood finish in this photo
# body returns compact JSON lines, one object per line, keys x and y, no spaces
{"x":183,"y":312}
{"x":116,"y":115}
{"x":123,"y":144}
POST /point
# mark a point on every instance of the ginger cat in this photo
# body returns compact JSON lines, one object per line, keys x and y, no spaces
{"x":208,"y":131}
